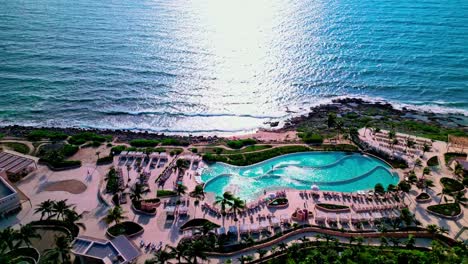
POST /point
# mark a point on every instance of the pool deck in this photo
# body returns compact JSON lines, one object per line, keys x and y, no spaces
{"x":166,"y":229}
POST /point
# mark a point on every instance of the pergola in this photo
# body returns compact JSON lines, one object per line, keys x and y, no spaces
{"x":14,"y":164}
{"x":458,"y":143}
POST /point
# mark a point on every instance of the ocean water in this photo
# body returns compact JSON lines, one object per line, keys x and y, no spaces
{"x":213,"y":66}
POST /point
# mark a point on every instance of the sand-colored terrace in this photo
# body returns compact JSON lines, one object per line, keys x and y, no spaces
{"x":84,"y":186}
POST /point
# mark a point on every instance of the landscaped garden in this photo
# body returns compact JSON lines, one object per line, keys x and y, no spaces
{"x":451,"y":185}
{"x":447,"y":209}
{"x":332,"y":207}
{"x":197,"y":223}
{"x":16,"y":146}
{"x":423,"y":197}
{"x":432,"y":162}
{"x":125,"y":228}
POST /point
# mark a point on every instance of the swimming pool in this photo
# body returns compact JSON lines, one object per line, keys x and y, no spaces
{"x":332,"y":171}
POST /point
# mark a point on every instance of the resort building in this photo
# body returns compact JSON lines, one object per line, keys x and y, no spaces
{"x":9,"y":199}
{"x":16,"y":165}
{"x":118,"y":250}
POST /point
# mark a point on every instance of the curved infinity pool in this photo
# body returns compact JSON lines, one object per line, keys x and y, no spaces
{"x":333,"y":171}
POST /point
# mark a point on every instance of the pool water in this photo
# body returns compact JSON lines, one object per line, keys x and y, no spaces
{"x":332,"y":171}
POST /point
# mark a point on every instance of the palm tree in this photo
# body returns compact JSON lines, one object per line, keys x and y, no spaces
{"x":114,"y":215}
{"x":224,"y":200}
{"x":160,"y":257}
{"x":442,"y":194}
{"x":195,"y":251}
{"x":410,"y":241}
{"x":339,"y":127}
{"x":428,"y":184}
{"x":61,"y":252}
{"x":181,"y":189}
{"x":72,"y":217}
{"x":243,"y":259}
{"x":433,"y":229}
{"x":198,"y":192}
{"x":458,"y":170}
{"x":459,"y":198}
{"x":97,"y":154}
{"x":25,"y":234}
{"x":395,"y":241}
{"x":394,"y":142}
{"x":128,"y":171}
{"x":261,"y":253}
{"x":391,"y":134}
{"x":282,"y":246}
{"x":136,"y":192}
{"x":417,"y":163}
{"x":45,"y":208}
{"x":248,"y":240}
{"x":236,"y":206}
{"x":304,"y":239}
{"x":426,"y":148}
{"x":59,"y":208}
{"x":177,"y":252}
{"x":8,"y":237}
{"x":409,"y":143}
{"x":331,"y":122}
{"x":383,"y":242}
{"x":426,"y":171}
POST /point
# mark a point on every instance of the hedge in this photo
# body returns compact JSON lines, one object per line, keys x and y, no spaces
{"x":237,"y":144}
{"x":163,"y":193}
{"x":39,"y":134}
{"x":83,"y":137}
{"x":105,"y":160}
{"x":144,"y":142}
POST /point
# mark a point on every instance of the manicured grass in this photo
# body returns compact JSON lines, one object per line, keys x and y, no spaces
{"x":18,"y":147}
{"x":333,"y":206}
{"x":449,"y":156}
{"x":255,"y":157}
{"x":451,"y":185}
{"x":448,"y":209}
{"x":165,"y":193}
{"x":434,"y":161}
{"x":125,"y":228}
{"x":198,"y":222}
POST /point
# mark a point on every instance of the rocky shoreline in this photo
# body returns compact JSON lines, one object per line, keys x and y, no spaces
{"x":351,"y":108}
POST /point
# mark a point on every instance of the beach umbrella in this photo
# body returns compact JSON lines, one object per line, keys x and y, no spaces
{"x":314,"y":187}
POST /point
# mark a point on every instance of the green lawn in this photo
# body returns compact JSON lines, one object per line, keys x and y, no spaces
{"x":18,"y":147}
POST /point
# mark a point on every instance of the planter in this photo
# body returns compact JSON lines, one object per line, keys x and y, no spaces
{"x":197,"y":223}
{"x":144,"y":212}
{"x":423,"y":198}
{"x":333,"y":208}
{"x":129,"y":229}
{"x":279,"y":203}
{"x":437,"y":209}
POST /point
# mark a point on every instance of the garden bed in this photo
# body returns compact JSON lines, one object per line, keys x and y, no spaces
{"x":448,"y":210}
{"x":197,"y":222}
{"x":432,"y":162}
{"x":332,"y":207}
{"x":279,"y":202}
{"x":125,"y":228}
{"x":423,"y":197}
{"x":452,"y":185}
{"x":165,"y":193}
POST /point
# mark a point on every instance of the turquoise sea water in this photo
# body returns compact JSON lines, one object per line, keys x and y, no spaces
{"x":334,"y":171}
{"x":223,"y":66}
